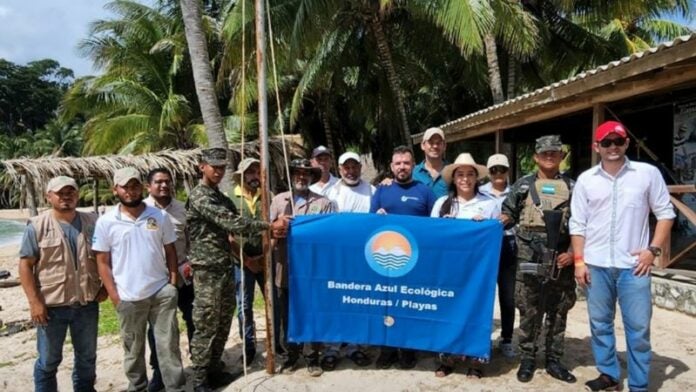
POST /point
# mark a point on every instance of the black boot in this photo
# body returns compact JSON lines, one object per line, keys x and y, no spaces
{"x":526,"y":371}
{"x":559,"y":372}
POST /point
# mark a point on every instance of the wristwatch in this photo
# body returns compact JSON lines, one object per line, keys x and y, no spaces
{"x":655,"y":250}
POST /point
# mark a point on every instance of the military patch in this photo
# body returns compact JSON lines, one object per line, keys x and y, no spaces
{"x":548,"y":189}
{"x":151,"y":224}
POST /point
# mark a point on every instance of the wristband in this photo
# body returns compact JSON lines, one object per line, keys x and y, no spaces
{"x":577,"y":257}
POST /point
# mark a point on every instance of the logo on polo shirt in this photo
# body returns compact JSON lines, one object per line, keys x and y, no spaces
{"x":391,"y":251}
{"x":405,"y":198}
{"x":151,"y":224}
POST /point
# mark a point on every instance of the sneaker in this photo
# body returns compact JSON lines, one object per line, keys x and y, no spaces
{"x":155,"y":384}
{"x":408,"y":360}
{"x":386,"y":359}
{"x":313,"y":366}
{"x":507,"y":349}
{"x":559,"y":372}
{"x":220,"y":379}
{"x":290,"y":364}
{"x":602,"y":383}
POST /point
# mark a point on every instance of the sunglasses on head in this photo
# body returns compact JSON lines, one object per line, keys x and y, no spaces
{"x":498,"y":170}
{"x":618,"y":142}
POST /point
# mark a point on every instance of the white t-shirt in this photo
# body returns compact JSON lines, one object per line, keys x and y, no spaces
{"x":351,"y":198}
{"x":138,"y":263}
{"x":480,"y":205}
{"x":321,"y":190}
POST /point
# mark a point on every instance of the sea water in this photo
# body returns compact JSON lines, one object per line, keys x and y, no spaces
{"x":10,"y":232}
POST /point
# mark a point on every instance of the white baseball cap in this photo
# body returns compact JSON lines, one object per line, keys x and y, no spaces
{"x":320,"y":150}
{"x":497,"y":160}
{"x":430,"y":132}
{"x":348,"y":155}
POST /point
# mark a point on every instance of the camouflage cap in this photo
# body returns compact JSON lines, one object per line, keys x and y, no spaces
{"x":548,"y":143}
{"x":125,"y":174}
{"x":60,"y":182}
{"x":215,"y":156}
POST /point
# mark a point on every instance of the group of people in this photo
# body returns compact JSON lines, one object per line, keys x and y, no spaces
{"x":150,"y":256}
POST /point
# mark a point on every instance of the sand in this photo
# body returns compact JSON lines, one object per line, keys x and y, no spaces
{"x":673,"y":339}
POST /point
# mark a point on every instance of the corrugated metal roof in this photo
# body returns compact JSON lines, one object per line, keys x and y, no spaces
{"x":577,"y":78}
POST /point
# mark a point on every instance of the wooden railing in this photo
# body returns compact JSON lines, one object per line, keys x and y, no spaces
{"x":690,"y":215}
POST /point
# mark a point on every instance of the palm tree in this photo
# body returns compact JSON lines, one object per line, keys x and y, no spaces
{"x":202,"y":73}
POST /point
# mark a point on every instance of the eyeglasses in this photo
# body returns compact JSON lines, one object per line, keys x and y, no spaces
{"x":618,"y":142}
{"x":498,"y":170}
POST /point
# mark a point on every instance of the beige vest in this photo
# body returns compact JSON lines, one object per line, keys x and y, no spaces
{"x":59,"y":281}
{"x":552,"y":193}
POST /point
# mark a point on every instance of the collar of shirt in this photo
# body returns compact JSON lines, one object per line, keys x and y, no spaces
{"x":147,"y":212}
{"x":149,"y":200}
{"x":487,"y":189}
{"x":599,"y":170}
{"x":250,"y":200}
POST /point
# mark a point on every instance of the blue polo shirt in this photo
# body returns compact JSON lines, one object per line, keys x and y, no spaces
{"x":438,"y":185}
{"x":413,"y":198}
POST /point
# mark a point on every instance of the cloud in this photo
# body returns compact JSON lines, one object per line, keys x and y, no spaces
{"x":38,"y":29}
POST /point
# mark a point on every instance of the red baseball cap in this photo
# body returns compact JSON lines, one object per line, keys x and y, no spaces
{"x":609,"y":127}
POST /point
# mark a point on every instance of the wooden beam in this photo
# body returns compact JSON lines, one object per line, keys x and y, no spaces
{"x":598,"y":114}
{"x":499,"y":141}
{"x":691,"y":217}
{"x":666,"y":79}
{"x":681,"y":188}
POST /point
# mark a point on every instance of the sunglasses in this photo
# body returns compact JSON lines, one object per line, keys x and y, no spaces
{"x":618,"y":142}
{"x":498,"y":170}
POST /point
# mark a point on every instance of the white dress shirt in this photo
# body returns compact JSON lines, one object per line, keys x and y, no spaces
{"x":611,"y":213}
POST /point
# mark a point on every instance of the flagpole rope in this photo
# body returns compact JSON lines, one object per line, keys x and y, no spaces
{"x":242,"y":126}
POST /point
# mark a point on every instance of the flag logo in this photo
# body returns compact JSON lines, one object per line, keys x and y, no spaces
{"x":391,"y":251}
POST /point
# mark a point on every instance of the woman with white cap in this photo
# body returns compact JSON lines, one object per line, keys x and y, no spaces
{"x":498,"y":189}
{"x":464,"y":201}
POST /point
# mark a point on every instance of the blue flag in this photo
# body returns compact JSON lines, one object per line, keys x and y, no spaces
{"x":394,"y":280}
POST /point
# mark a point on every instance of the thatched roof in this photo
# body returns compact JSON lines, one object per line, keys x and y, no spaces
{"x":182,"y":163}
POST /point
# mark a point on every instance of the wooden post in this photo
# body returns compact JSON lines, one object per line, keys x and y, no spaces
{"x":31,"y":196}
{"x":95,"y":195}
{"x":499,"y":141}
{"x":597,"y":118}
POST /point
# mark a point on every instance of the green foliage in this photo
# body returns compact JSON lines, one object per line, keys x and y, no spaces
{"x":108,"y":319}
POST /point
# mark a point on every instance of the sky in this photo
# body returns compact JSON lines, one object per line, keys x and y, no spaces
{"x":38,"y":29}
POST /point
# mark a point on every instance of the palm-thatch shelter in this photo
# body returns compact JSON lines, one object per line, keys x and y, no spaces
{"x":32,"y":174}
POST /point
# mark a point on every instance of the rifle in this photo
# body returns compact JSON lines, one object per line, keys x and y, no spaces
{"x":547,"y":268}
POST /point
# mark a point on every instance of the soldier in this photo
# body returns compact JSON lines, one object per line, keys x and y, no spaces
{"x":553,"y":191}
{"x":211,"y":218}
{"x":299,"y":201}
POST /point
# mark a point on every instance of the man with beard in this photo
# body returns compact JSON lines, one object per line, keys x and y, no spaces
{"x":211,"y":218}
{"x":246,"y":196}
{"x":350,"y":194}
{"x":137,"y":262}
{"x":614,"y":253}
{"x":404,"y":197}
{"x":300,"y":201}
{"x":59,"y":277}
{"x":159,"y":187}
{"x":321,"y":159}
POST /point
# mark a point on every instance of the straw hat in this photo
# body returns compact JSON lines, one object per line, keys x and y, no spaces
{"x":464,"y":159}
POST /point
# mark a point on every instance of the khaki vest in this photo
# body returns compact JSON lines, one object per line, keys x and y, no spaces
{"x":552,"y":193}
{"x":59,"y":281}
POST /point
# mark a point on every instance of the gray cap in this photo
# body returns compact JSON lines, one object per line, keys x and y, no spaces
{"x":215,"y":156}
{"x":548,"y":143}
{"x":60,"y":182}
{"x":125,"y":174}
{"x":321,"y":150}
{"x":243,"y":166}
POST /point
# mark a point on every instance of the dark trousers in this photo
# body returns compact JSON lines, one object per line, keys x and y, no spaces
{"x":185,"y":305}
{"x":245,"y":305}
{"x":506,"y":286}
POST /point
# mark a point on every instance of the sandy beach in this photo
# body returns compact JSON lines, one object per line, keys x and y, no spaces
{"x":673,"y":339}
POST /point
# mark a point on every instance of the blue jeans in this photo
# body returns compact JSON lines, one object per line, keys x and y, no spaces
{"x":607,"y":285}
{"x":245,"y":305}
{"x":82,"y":321}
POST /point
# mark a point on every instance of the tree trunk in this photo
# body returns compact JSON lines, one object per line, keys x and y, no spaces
{"x":494,"y":80}
{"x":512,"y":78}
{"x":385,"y":59}
{"x":203,"y":79}
{"x":203,"y":73}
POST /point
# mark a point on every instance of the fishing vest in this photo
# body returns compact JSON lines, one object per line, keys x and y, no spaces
{"x":61,"y":279}
{"x":553,"y":194}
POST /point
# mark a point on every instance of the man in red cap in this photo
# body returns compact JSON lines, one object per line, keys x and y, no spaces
{"x":613,"y":253}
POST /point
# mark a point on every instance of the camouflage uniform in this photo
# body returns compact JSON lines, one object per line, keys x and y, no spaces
{"x":560,"y":294}
{"x":211,"y":217}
